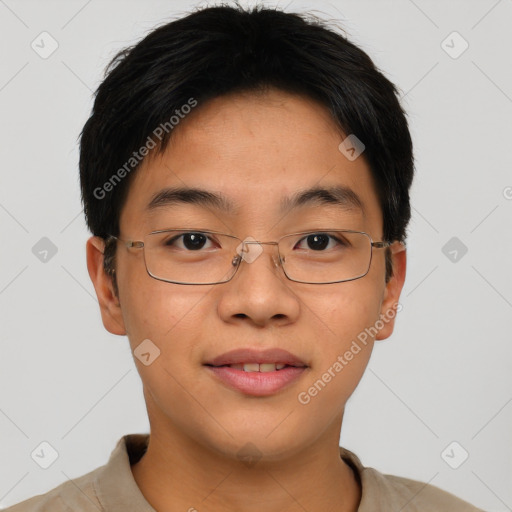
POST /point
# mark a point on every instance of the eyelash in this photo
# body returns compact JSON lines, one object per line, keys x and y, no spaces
{"x":171,"y":241}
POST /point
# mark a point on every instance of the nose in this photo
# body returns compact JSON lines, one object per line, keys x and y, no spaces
{"x":259,"y":293}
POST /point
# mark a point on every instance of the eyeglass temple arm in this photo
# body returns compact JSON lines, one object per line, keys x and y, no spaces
{"x":127,"y":243}
{"x":381,"y":245}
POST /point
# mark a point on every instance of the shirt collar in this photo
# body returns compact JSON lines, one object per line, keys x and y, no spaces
{"x":115,"y":486}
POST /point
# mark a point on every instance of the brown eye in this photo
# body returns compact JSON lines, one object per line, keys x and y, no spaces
{"x":192,"y":241}
{"x":319,"y":242}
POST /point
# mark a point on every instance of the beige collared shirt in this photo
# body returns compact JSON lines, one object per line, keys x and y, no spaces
{"x":112,"y":488}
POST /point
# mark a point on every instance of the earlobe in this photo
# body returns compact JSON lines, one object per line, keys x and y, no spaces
{"x":390,"y":305}
{"x":109,"y":303}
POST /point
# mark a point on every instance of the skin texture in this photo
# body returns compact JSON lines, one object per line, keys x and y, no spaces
{"x":255,"y":149}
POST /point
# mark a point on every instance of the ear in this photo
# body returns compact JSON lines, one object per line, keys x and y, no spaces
{"x":390,"y":305}
{"x":109,"y":303}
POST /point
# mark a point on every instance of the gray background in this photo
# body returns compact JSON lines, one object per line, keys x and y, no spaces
{"x":444,"y":376}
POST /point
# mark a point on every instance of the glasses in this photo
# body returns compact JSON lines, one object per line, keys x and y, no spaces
{"x":187,"y":256}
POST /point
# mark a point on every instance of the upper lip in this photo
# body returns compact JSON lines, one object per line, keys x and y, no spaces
{"x":250,"y":355}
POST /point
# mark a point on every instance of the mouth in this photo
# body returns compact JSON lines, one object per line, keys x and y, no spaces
{"x":267,"y":360}
{"x":256,"y":372}
{"x":258,"y":367}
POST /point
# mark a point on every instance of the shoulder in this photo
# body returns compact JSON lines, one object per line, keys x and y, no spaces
{"x":388,"y":492}
{"x":415,"y":496}
{"x":72,"y":495}
{"x":109,"y":487}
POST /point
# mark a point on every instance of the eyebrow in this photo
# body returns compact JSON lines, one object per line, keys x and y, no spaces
{"x":185,"y":195}
{"x":341,"y":196}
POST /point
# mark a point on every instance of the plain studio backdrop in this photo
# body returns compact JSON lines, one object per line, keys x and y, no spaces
{"x":436,"y":401}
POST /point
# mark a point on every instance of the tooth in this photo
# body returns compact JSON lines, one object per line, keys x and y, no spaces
{"x":237,"y":366}
{"x":251,"y":367}
{"x":267,"y":367}
{"x":280,"y":366}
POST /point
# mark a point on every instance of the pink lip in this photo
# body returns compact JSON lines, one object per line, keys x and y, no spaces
{"x":257,"y":383}
{"x":248,"y":355}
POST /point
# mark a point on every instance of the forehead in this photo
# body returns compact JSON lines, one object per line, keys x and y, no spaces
{"x":258,"y":153}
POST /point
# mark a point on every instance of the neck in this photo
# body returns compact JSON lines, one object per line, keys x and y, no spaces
{"x":177,"y":473}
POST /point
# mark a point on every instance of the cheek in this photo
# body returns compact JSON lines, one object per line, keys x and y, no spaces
{"x":338,"y":314}
{"x":342,"y":322}
{"x":165,"y":313}
{"x":171,"y":319}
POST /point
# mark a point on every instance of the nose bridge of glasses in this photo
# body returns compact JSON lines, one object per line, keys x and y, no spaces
{"x":250,"y":249}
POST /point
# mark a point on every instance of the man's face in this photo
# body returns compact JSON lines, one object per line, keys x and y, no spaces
{"x":256,"y":151}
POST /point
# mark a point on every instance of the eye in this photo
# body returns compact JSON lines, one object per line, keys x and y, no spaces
{"x":192,"y":241}
{"x":320,"y":241}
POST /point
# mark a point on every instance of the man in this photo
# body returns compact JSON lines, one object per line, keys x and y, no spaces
{"x":245,"y":176}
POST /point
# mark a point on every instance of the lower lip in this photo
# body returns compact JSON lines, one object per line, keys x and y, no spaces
{"x":257,"y":383}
